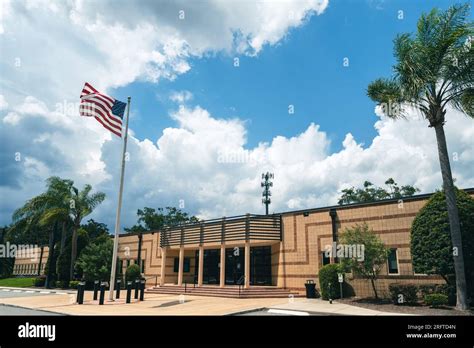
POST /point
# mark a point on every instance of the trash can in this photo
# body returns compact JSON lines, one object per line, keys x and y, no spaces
{"x":310,"y":289}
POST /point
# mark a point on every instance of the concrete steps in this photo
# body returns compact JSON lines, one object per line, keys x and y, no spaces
{"x":228,"y":291}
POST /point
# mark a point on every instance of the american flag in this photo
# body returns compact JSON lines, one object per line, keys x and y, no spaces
{"x":107,"y":110}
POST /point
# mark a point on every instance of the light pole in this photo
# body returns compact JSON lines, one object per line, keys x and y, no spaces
{"x":266,"y":184}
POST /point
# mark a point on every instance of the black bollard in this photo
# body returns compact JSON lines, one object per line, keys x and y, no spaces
{"x":119,"y":283}
{"x":137,"y":286}
{"x":142,"y":290}
{"x":80,"y":293}
{"x":102,"y":293}
{"x":96,"y":289}
{"x":129,"y":291}
{"x":83,"y":290}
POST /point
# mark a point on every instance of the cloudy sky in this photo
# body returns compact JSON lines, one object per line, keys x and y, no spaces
{"x":221,"y":92}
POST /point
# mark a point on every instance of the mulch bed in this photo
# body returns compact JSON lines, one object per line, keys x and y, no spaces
{"x":385,"y":305}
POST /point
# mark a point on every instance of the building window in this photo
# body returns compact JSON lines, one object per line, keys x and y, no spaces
{"x":128,"y":263}
{"x":186,"y":264}
{"x":393,"y":262}
{"x":143,"y":266}
{"x":326,"y":259}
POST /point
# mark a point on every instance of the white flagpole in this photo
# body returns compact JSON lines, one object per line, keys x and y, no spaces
{"x":119,"y":207}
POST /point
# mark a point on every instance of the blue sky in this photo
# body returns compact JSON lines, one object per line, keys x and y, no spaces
{"x":305,"y":70}
{"x":290,"y":53}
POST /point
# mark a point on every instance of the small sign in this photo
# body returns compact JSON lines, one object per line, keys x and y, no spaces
{"x":340,"y":277}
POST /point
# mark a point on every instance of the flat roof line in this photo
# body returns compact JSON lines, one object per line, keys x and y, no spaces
{"x":310,"y":210}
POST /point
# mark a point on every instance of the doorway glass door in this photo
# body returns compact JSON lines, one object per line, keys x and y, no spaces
{"x":261,"y":265}
{"x":234,"y":265}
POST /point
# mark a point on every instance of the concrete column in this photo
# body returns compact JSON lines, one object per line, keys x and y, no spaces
{"x":201,"y":265}
{"x":181,"y":265}
{"x":163,"y":266}
{"x":222,"y":279}
{"x":247,"y":265}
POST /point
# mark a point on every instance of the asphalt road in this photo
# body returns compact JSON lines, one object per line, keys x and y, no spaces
{"x":13,"y":310}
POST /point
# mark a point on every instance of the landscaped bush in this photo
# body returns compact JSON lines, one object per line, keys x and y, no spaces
{"x":63,"y":284}
{"x":427,"y":289}
{"x":73,"y":284}
{"x":445,"y":289}
{"x":436,"y":300}
{"x":431,"y":244}
{"x":328,"y":275}
{"x":132,"y":273}
{"x":448,"y":290}
{"x":40,"y":281}
{"x":403,"y":293}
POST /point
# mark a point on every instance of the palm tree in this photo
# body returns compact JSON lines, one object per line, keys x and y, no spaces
{"x":435,"y":68}
{"x":49,"y":209}
{"x":82,"y":204}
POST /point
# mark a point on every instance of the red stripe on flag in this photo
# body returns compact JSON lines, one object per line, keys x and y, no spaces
{"x":110,"y":129}
{"x":106,"y":111}
{"x":96,"y":112}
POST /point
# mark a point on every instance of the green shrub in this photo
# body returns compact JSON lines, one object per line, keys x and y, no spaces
{"x":63,"y":284}
{"x":328,"y":275}
{"x":95,"y":260}
{"x":436,"y":300}
{"x":448,"y":290}
{"x":132,"y":273}
{"x":427,"y":289}
{"x":444,"y":289}
{"x":40,"y":281}
{"x":403,"y":294}
{"x":431,"y":245}
{"x":73,"y":284}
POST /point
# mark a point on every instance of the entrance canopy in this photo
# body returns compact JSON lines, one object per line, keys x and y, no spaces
{"x":236,"y":228}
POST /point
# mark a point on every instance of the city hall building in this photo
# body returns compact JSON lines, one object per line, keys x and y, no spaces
{"x":266,"y":255}
{"x":273,"y":254}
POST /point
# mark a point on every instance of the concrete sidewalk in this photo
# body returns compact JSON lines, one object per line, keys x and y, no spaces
{"x":160,"y":304}
{"x":320,"y":306}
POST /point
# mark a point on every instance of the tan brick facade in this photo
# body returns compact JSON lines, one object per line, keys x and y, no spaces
{"x":34,"y":264}
{"x":305,"y":234}
{"x":299,"y":255}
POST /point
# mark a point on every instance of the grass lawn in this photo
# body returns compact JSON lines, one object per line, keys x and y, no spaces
{"x":17,"y":282}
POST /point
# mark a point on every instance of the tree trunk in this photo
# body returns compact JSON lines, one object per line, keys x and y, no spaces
{"x":373,"y":287}
{"x":456,"y":239}
{"x":63,"y":236}
{"x":51,"y":262}
{"x":73,"y":251}
{"x":40,"y":260}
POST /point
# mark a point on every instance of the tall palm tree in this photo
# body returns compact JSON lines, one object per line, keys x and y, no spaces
{"x":435,"y":68}
{"x":82,"y":204}
{"x":49,"y":209}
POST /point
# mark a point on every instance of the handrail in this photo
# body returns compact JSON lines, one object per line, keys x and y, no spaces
{"x":156,"y":279}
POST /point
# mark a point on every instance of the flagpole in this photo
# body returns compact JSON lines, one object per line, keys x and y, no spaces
{"x":119,"y":207}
